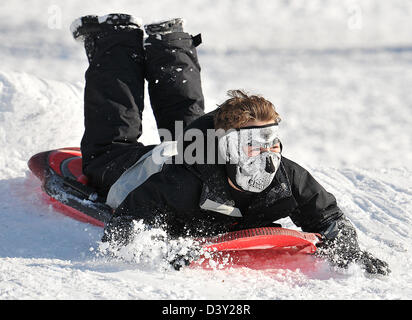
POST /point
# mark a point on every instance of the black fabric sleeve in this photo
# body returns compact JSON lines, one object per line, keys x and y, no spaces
{"x":317,"y":208}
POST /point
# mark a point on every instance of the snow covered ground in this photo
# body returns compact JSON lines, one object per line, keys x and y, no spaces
{"x":339,"y":74}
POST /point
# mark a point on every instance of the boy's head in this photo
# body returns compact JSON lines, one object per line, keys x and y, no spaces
{"x":250,"y":144}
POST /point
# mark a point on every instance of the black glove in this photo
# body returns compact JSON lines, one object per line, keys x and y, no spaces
{"x":119,"y":230}
{"x":179,"y":260}
{"x":373,"y":265}
{"x":340,"y":247}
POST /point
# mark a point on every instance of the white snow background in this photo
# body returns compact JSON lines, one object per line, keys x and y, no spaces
{"x":340,"y":75}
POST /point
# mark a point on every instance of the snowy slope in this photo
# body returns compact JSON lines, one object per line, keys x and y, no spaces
{"x":338,"y":72}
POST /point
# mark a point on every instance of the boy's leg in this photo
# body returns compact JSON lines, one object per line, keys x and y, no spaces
{"x":113,"y":101}
{"x":173,"y":75}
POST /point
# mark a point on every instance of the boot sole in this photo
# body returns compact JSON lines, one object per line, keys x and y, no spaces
{"x":165,"y":26}
{"x":92,"y":23}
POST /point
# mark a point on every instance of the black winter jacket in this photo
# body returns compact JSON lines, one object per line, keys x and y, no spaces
{"x":196,"y":199}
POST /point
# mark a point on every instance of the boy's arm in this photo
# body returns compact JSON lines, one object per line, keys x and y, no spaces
{"x":318,"y":212}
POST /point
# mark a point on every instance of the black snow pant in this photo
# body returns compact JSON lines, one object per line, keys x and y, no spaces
{"x":114,"y":98}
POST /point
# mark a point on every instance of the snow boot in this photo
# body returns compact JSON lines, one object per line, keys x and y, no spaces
{"x":164,"y":27}
{"x":89,"y":28}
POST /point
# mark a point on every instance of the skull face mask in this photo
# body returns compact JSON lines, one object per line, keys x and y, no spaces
{"x":251,"y":160}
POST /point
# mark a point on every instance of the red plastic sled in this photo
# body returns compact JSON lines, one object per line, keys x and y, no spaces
{"x":65,"y":186}
{"x":258,"y":248}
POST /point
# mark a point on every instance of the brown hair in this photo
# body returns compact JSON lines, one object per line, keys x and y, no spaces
{"x":241,"y":108}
